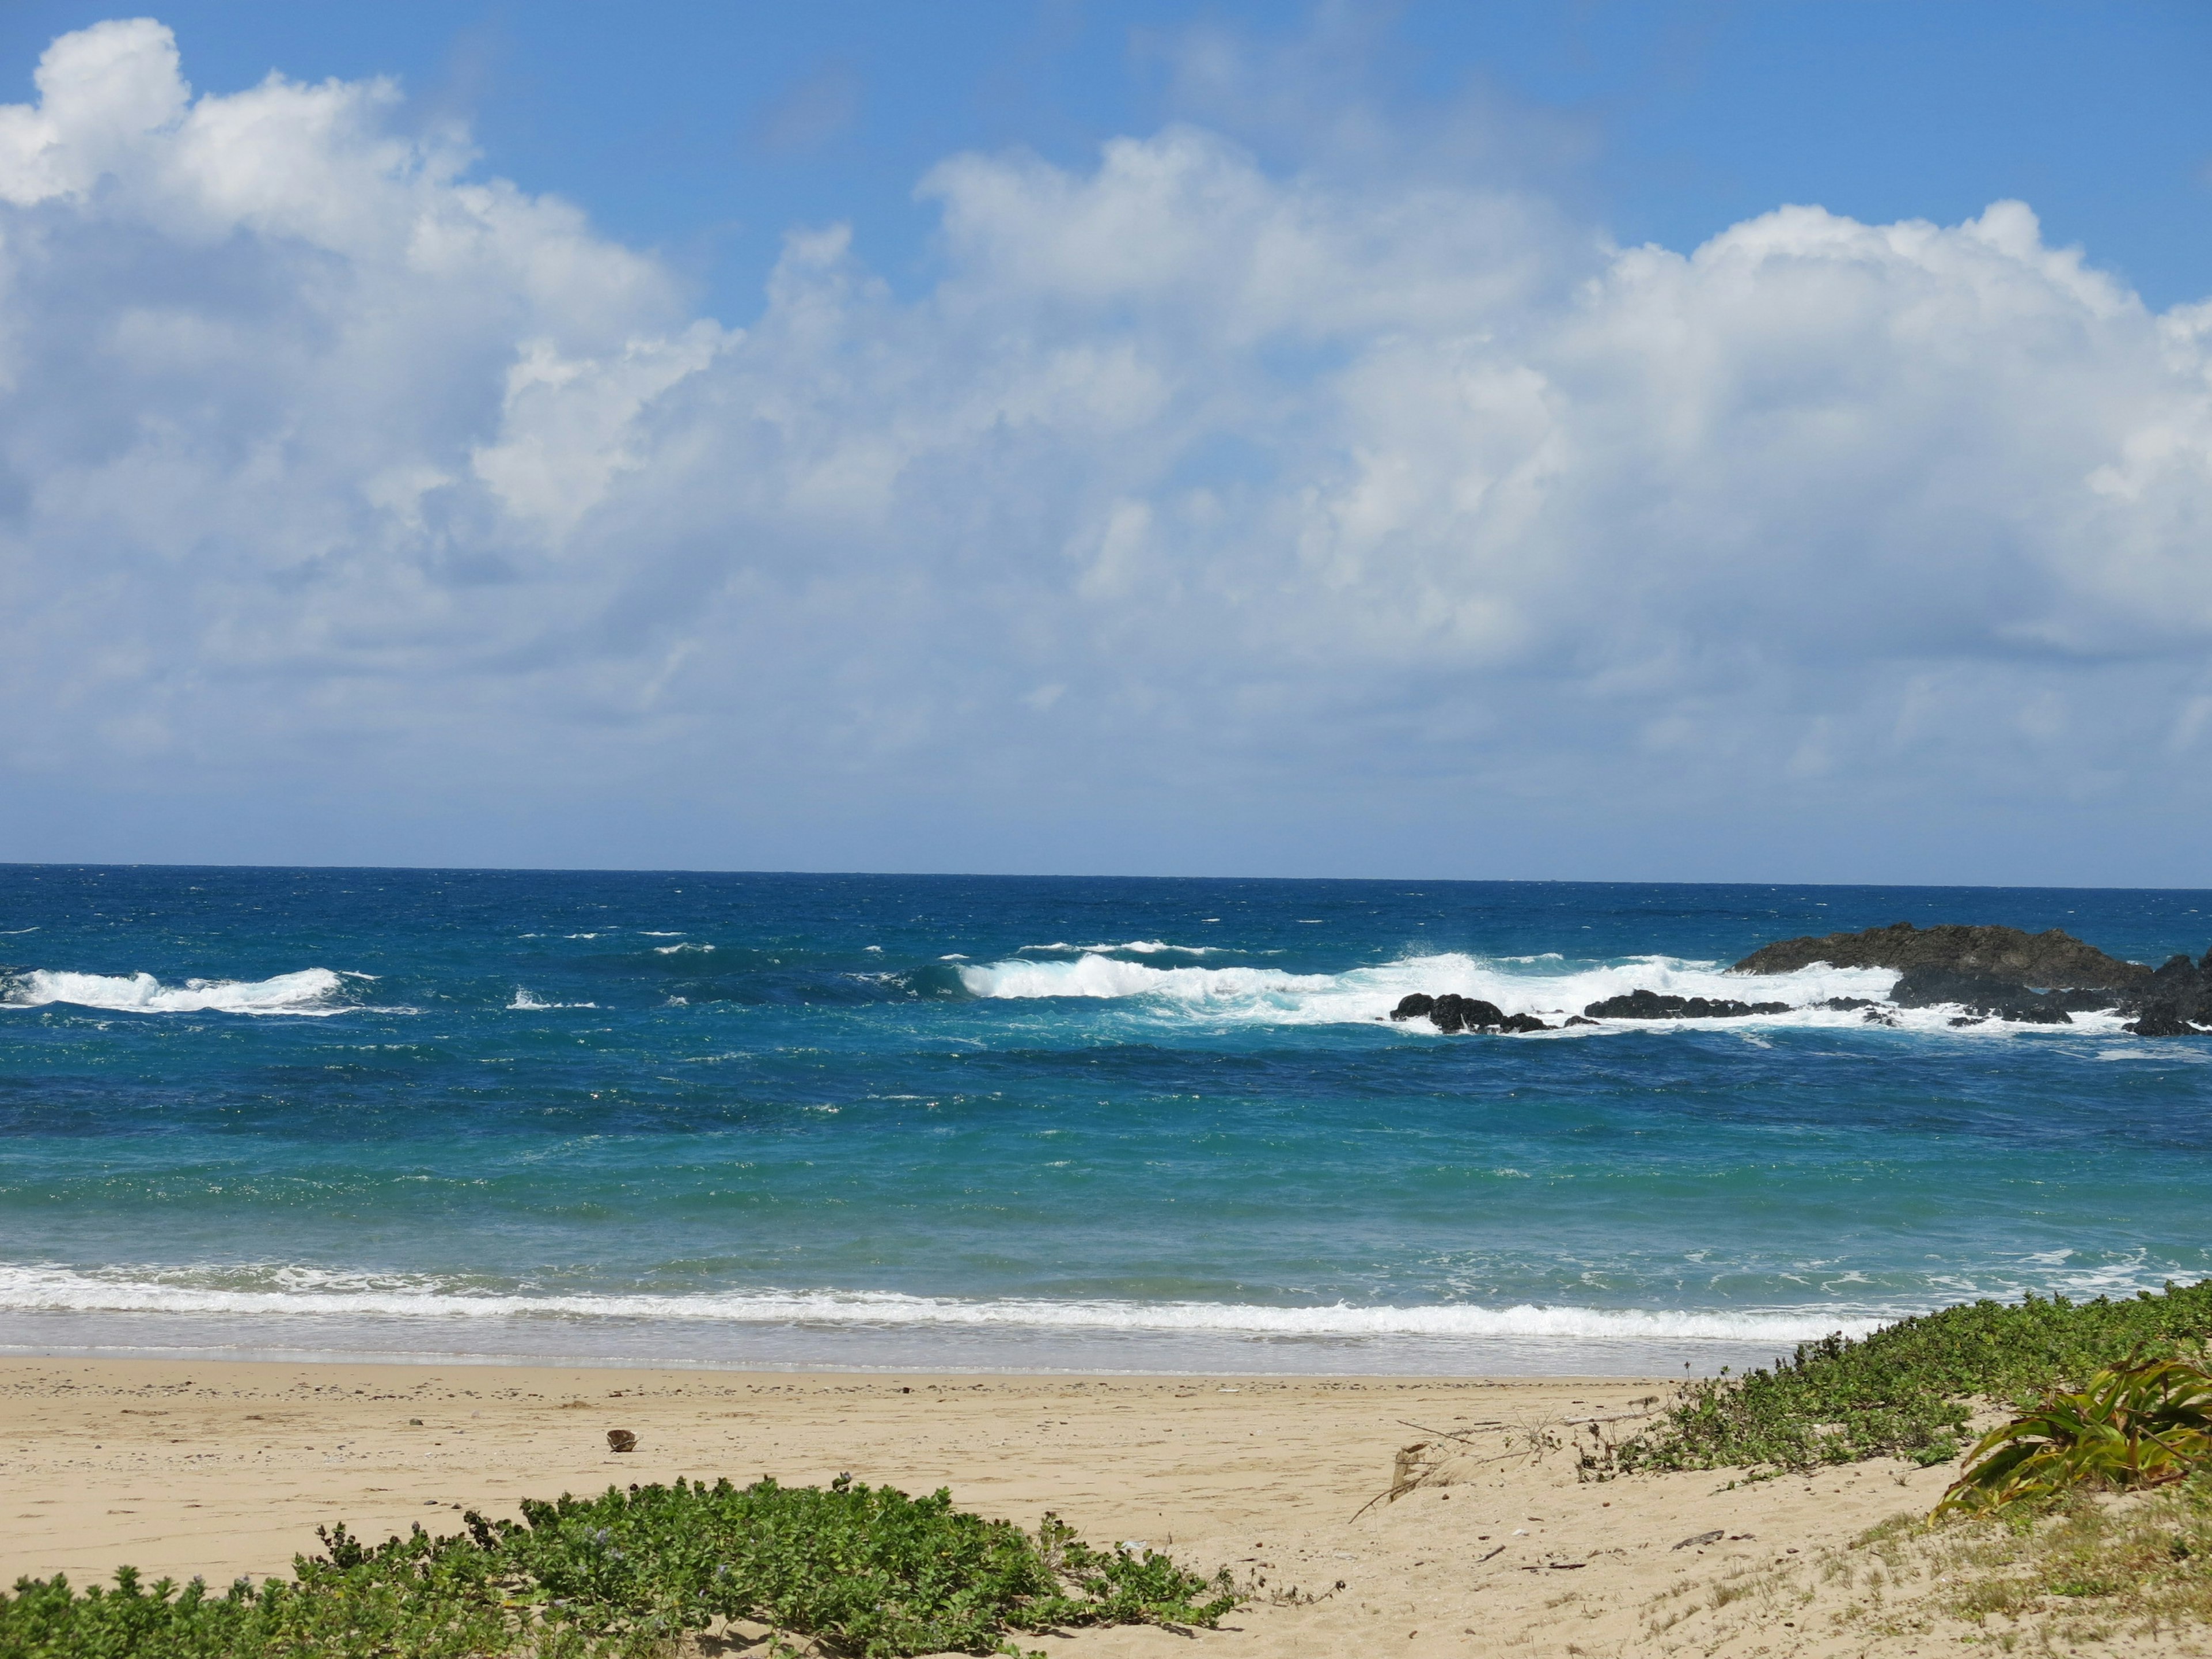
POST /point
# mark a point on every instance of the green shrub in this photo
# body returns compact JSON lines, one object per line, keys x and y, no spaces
{"x":1904,"y":1390}
{"x":870,"y":1570}
{"x":2147,"y":1425}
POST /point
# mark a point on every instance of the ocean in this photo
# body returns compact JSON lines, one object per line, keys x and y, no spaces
{"x":1011,"y":1123}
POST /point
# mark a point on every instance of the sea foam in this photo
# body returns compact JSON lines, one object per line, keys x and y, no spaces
{"x":291,"y":1289}
{"x":310,"y":991}
{"x":1543,"y":985}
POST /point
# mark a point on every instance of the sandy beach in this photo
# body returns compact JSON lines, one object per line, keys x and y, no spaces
{"x":224,"y":1469}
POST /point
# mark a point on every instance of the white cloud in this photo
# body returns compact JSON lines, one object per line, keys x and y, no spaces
{"x":1198,"y":499}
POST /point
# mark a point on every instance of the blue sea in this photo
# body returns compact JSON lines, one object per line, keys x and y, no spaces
{"x":1013,"y":1123}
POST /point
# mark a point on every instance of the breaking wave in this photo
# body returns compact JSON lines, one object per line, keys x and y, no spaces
{"x":1139,"y":947}
{"x":315,"y":991}
{"x":527,"y":1002}
{"x":316,"y":1292}
{"x":1546,"y":986}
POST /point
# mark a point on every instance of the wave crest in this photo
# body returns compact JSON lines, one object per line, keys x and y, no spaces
{"x":312,"y":1290}
{"x":313,"y":991}
{"x":1546,"y":986}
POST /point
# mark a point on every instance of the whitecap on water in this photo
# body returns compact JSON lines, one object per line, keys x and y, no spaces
{"x":526,"y":1002}
{"x":310,"y":991}
{"x":1552,"y":989}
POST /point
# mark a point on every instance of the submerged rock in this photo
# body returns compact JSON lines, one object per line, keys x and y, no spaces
{"x":2054,"y":958}
{"x":1650,"y":1005}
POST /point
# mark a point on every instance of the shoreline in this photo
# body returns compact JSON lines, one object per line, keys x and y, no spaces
{"x":1702,"y":1345}
{"x":223,"y":1468}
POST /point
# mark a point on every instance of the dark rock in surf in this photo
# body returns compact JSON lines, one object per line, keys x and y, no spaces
{"x":1577,"y":1019}
{"x":1984,"y":997}
{"x":2053,"y":958}
{"x":1458,"y":1013}
{"x":1453,"y":1012}
{"x":2161,"y":1022}
{"x":2177,"y":1001}
{"x":1649,"y":1004}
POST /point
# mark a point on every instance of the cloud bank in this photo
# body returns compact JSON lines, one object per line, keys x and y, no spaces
{"x":1200,"y":514}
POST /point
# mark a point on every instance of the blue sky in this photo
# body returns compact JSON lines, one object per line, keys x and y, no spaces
{"x":706,"y":131}
{"x":1481,"y":441}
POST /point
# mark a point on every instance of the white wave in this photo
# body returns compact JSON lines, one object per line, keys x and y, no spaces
{"x":310,"y":991}
{"x":1366,"y":994}
{"x":308,"y":1290}
{"x":660,"y":932}
{"x":676,"y":949}
{"x":16,"y":933}
{"x":1140,"y":947}
{"x":526,"y":1002}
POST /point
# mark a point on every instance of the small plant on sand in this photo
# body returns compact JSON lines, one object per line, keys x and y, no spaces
{"x":2142,"y":1424}
{"x":2081,"y":1567}
{"x":1907,"y":1390}
{"x":867,"y":1571}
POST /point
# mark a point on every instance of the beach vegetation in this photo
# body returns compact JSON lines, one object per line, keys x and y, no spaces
{"x":2086,"y":1566}
{"x":1911,"y":1389}
{"x":867,"y":1571}
{"x":2134,"y":1425}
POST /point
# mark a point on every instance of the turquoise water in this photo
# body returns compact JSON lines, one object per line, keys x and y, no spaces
{"x":1010,"y":1122}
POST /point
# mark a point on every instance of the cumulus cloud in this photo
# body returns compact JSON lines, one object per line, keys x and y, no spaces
{"x":1397,"y":517}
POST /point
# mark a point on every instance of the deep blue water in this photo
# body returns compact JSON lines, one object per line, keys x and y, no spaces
{"x":779,"y":1119}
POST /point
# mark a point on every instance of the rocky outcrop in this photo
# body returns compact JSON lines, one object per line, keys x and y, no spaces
{"x":1989,"y":999}
{"x":1986,"y":973}
{"x":1451,"y":1013}
{"x":1650,"y":1005}
{"x":2178,"y":1000}
{"x":2052,"y":959}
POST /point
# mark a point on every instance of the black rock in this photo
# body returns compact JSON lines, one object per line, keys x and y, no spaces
{"x":1649,"y":1004}
{"x":1978,"y":993}
{"x":1844,"y":1005}
{"x":1576,"y":1019}
{"x":2161,"y":1022}
{"x":2177,"y":1001}
{"x":1454,"y":1013}
{"x":2050,"y":958}
{"x":1458,"y":1013}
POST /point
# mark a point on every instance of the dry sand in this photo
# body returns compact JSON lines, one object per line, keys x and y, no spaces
{"x":223,"y":1469}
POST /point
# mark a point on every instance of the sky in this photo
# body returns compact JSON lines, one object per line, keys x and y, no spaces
{"x":1600,"y":441}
